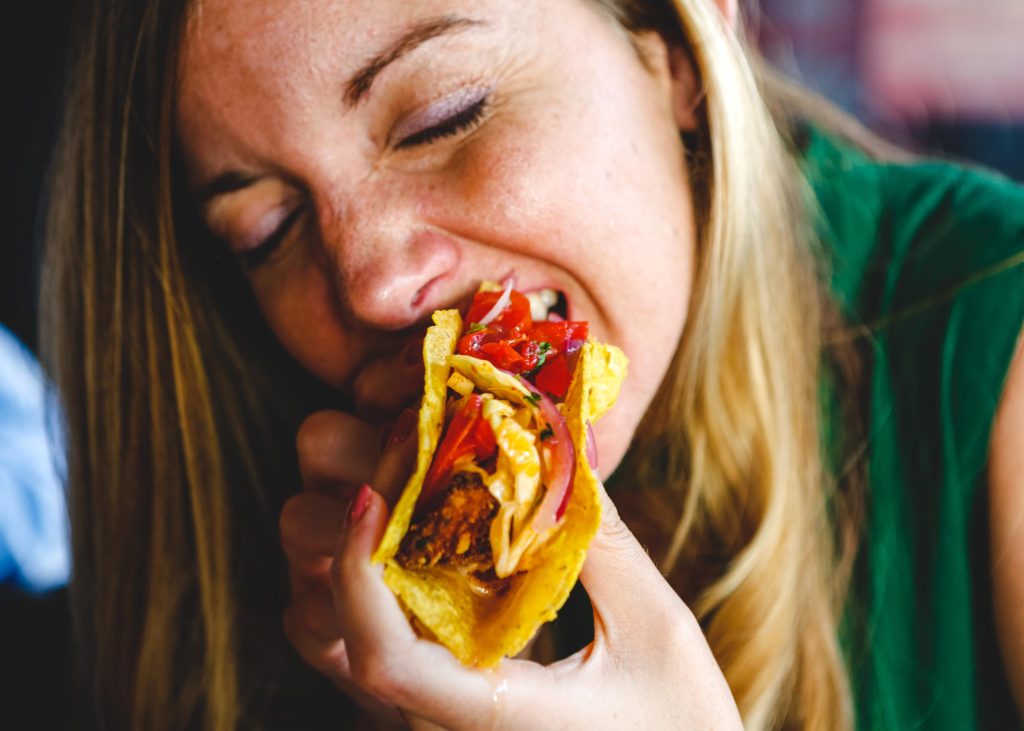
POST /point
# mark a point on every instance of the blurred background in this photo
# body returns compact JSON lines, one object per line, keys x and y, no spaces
{"x":943,"y":77}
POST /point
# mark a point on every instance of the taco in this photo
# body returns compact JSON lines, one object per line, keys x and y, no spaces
{"x":491,"y":531}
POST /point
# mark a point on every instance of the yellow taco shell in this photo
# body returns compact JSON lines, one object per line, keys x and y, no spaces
{"x":480,"y":627}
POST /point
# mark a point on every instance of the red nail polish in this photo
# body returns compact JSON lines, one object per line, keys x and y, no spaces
{"x":359,"y":505}
{"x":401,"y":430}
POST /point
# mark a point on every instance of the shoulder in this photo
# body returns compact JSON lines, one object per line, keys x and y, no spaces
{"x":927,"y":259}
{"x":895,"y":233}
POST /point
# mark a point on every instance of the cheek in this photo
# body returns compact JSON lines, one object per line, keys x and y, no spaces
{"x":304,"y":314}
{"x":615,"y":217}
{"x":533,"y":194}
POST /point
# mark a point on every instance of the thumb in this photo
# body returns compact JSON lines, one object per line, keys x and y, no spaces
{"x":619,"y":576}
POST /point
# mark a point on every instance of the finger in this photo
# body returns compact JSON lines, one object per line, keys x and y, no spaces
{"x":622,"y":581}
{"x":415,"y":723}
{"x":390,"y":382}
{"x":310,"y":525}
{"x":311,"y":626}
{"x":337,"y":452}
{"x":399,"y":457}
{"x":389,"y":661}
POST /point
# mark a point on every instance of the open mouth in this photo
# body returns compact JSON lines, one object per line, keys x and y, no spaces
{"x":548,"y":304}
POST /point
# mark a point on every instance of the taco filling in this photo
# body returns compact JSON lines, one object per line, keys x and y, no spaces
{"x":490,"y":533}
{"x":503,"y":471}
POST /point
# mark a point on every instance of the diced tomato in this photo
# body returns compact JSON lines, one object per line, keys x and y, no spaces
{"x":544,"y":352}
{"x":554,"y":377}
{"x":552,"y":333}
{"x":534,"y":354}
{"x":482,"y":304}
{"x":558,"y":334}
{"x":503,"y":355}
{"x":514,"y":320}
{"x":469,"y":344}
{"x":467,"y":433}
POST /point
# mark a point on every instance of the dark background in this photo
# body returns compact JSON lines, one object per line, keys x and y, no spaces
{"x":34,"y":45}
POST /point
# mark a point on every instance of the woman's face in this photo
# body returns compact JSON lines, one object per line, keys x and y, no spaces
{"x":373,"y":160}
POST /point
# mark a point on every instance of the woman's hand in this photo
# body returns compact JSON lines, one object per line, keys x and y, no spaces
{"x":337,"y":454}
{"x":649,"y":665}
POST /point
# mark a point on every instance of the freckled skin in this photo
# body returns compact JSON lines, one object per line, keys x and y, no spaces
{"x":574,"y":179}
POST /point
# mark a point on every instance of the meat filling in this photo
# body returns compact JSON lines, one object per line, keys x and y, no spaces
{"x":455,"y":531}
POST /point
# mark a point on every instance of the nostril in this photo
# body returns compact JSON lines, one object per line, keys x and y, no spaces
{"x":420,"y":296}
{"x":391,"y":285}
{"x":423,"y":294}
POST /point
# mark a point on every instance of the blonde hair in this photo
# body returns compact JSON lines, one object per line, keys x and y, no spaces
{"x":734,"y":432}
{"x":174,"y":440}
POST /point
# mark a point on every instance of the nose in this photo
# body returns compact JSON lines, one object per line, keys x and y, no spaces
{"x":392,"y":267}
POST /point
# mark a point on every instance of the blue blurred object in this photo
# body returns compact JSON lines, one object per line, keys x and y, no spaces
{"x":34,"y":549}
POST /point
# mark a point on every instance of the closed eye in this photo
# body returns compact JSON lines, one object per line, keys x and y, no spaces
{"x":259,"y":254}
{"x":461,"y":121}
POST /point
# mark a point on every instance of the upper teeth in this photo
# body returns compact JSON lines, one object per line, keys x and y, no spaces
{"x":541,"y":302}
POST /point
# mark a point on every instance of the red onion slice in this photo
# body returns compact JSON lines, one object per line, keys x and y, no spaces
{"x":500,"y":305}
{"x":561,"y":467}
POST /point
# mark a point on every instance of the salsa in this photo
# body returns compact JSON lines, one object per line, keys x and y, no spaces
{"x":543,"y":353}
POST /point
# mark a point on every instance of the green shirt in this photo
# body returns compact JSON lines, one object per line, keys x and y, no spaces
{"x":930,"y":257}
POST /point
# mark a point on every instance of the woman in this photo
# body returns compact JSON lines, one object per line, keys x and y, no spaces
{"x":321,"y":176}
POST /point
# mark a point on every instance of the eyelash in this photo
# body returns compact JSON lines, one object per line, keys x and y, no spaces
{"x":258,"y":255}
{"x":461,"y":121}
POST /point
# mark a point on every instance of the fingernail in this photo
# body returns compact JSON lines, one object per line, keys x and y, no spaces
{"x":359,"y":505}
{"x":403,"y":427}
{"x":412,"y":354}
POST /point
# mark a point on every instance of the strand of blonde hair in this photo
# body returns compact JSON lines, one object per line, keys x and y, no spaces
{"x":745,"y":404}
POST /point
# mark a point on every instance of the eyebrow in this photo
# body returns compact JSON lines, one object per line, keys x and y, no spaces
{"x":357,"y":86}
{"x":362,"y":80}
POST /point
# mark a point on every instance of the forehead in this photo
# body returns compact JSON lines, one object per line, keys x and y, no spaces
{"x":251,"y":71}
{"x":262,"y":41}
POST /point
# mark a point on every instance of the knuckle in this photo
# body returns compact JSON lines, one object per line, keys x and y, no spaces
{"x":375,"y":674}
{"x":341,"y":574}
{"x":680,"y":630}
{"x":325,"y":654}
{"x":616,"y":537}
{"x":311,"y":432}
{"x":616,"y":532}
{"x":295,"y":632}
{"x":292,"y":522}
{"x":316,"y":618}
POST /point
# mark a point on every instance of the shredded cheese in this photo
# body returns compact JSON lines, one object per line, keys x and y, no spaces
{"x":460,"y":384}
